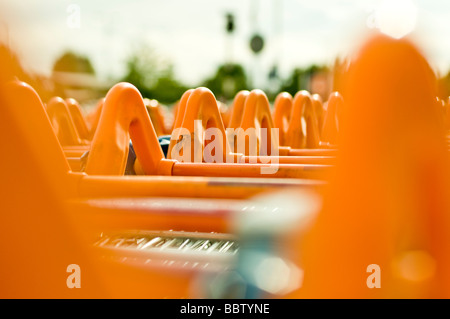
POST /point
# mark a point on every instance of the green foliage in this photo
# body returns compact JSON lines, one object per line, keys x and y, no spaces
{"x":152,"y":75}
{"x":299,"y":79}
{"x":73,"y":62}
{"x":167,"y":89}
{"x":228,"y":81}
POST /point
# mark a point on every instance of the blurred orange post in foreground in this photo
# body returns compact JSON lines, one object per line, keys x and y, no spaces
{"x":388,"y":204}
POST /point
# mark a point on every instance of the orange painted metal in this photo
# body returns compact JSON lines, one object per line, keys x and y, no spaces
{"x":300,"y":159}
{"x":287,"y":151}
{"x":299,"y":171}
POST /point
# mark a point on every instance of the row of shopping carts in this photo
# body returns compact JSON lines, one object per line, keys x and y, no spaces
{"x":245,"y":200}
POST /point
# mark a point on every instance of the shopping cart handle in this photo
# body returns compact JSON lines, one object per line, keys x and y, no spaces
{"x":238,"y":109}
{"x":257,"y":110}
{"x":331,"y":121}
{"x":63,"y":125}
{"x":124,"y":117}
{"x":282,"y":114}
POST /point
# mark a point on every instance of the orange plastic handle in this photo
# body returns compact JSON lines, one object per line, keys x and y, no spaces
{"x":78,"y":118}
{"x":201,"y":107}
{"x":282,"y":114}
{"x":179,"y":117}
{"x":238,"y":109}
{"x":303,"y":129}
{"x":40,"y":170}
{"x":156,"y":116}
{"x":93,"y":118}
{"x":330,"y":127}
{"x":224,"y":111}
{"x":36,"y":137}
{"x":317,"y":103}
{"x":236,"y":117}
{"x":312,"y":126}
{"x":124,"y":116}
{"x":62,"y":122}
{"x":257,"y":115}
{"x":296,"y":133}
{"x":174,"y":114}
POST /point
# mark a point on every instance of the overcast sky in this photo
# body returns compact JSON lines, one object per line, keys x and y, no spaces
{"x":191,"y":33}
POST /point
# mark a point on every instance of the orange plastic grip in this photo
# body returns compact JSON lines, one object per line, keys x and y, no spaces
{"x":330,"y":127}
{"x":282,"y":114}
{"x":156,"y":116}
{"x":62,"y":122}
{"x":93,"y":117}
{"x":36,"y":138}
{"x":78,"y":118}
{"x":124,"y":116}
{"x":300,"y":129}
{"x":257,"y":115}
{"x":202,"y":108}
{"x":238,"y":109}
{"x":178,"y":121}
{"x":296,"y":133}
{"x":318,"y":109}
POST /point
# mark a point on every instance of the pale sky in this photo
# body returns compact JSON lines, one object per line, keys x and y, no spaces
{"x":191,"y":33}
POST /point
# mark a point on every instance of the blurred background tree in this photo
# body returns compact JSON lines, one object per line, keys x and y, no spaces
{"x":300,"y":79}
{"x":227,"y":82}
{"x":152,"y":75}
{"x":73,"y":62}
{"x":74,"y":76}
{"x":167,"y":89}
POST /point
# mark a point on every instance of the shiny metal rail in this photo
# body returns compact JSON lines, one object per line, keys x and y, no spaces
{"x":188,"y":251}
